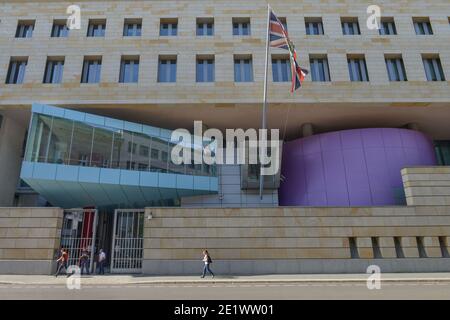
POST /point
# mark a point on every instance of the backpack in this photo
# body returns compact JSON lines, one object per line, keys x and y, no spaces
{"x":209,"y":259}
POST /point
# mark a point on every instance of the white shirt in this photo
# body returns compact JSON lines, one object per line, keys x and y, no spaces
{"x":102,"y":256}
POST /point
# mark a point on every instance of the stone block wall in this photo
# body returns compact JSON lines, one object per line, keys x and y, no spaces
{"x":29,"y":238}
{"x":297,"y":240}
{"x":427,"y":185}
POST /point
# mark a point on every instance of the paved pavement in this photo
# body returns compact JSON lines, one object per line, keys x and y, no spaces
{"x":323,"y":286}
{"x":232,"y":291}
{"x":279,"y":278}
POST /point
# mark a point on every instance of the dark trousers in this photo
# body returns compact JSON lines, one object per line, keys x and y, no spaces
{"x":101,"y":267}
{"x":60,"y":266}
{"x":207,"y":268}
{"x":84,"y":265}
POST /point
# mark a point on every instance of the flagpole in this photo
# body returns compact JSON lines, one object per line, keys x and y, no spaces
{"x":264,"y":111}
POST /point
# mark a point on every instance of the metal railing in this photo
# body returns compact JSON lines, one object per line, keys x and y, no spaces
{"x":128,"y":241}
{"x":78,"y":234}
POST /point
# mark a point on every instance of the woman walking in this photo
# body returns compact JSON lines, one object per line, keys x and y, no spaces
{"x":207,"y":261}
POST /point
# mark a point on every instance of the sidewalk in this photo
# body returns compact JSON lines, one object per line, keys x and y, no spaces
{"x":226,"y":279}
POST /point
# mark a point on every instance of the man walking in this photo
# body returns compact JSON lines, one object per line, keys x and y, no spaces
{"x":101,"y":261}
{"x":62,"y":261}
{"x":84,"y":261}
{"x":207,"y":261}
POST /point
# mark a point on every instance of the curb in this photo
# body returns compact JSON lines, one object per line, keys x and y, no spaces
{"x":211,"y":281}
{"x":236,"y":281}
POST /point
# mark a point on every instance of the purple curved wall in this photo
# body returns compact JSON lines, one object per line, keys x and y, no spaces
{"x":358,"y":167}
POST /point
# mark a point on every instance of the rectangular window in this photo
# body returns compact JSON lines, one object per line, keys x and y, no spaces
{"x":396,"y":69}
{"x":398,"y":247}
{"x":54,"y":70}
{"x":243,"y":69}
{"x":376,"y":248}
{"x":319,"y":69}
{"x":60,"y":29}
{"x":155,"y":154}
{"x":442,"y":149}
{"x":132,"y":147}
{"x":421,"y":247}
{"x":167,"y":70}
{"x":168,"y":27}
{"x":144,"y":151}
{"x":350,"y":26}
{"x":25,"y":28}
{"x":357,"y":69}
{"x":96,"y":28}
{"x":354,"y":254}
{"x":241,"y":26}
{"x":283,"y":22}
{"x":387,"y":27}
{"x":91,"y":70}
{"x":205,"y":69}
{"x":433,"y":68}
{"x":164,"y":156}
{"x":205,"y":26}
{"x":444,"y":247}
{"x":314,"y":26}
{"x":16,"y":70}
{"x":281,"y":70}
{"x":422,"y":26}
{"x":132,"y":28}
{"x":129,"y":70}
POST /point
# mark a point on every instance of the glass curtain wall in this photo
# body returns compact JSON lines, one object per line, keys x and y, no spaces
{"x":64,"y":141}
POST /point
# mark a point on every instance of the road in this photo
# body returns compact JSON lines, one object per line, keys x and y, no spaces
{"x":256,"y":291}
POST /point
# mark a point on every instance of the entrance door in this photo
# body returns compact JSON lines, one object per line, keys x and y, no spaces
{"x":78,"y":233}
{"x":128,"y":240}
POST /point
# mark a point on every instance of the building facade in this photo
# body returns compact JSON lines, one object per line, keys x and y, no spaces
{"x":86,"y":117}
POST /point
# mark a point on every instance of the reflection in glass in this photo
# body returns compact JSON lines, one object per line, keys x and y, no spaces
{"x":157,"y":162}
{"x":80,"y":154}
{"x":102,"y":146}
{"x":59,"y":145}
{"x":141,"y":151}
{"x":64,"y":141}
{"x":41,"y":133}
{"x":118,"y":142}
{"x":121,"y":156}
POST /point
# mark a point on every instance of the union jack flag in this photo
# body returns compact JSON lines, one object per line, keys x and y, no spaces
{"x":279,"y":38}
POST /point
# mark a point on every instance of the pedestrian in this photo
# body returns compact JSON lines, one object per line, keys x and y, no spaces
{"x":84,"y":261}
{"x":101,"y":261}
{"x":207,"y":261}
{"x":62,"y":261}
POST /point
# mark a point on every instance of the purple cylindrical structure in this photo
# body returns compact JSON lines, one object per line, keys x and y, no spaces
{"x":359,"y":167}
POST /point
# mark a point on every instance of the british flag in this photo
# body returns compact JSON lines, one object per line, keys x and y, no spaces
{"x":279,"y":38}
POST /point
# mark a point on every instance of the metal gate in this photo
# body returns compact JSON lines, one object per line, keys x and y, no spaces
{"x":78,"y":233}
{"x":128,"y":240}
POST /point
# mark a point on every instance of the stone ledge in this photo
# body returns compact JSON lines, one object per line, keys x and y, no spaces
{"x":301,"y":266}
{"x":27,"y":267}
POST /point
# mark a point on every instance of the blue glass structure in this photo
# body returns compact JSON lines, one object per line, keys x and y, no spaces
{"x":77,"y":159}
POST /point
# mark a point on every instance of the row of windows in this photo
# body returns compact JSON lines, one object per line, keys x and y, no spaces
{"x":205,"y":69}
{"x":205,"y":27}
{"x":377,"y":252}
{"x":69,"y":142}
